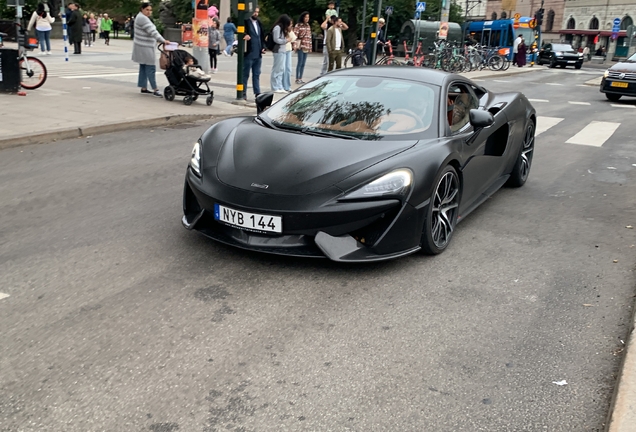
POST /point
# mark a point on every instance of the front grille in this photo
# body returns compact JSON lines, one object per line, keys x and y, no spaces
{"x":628,"y":76}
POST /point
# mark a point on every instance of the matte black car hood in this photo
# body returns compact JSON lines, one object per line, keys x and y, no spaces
{"x":288,"y":163}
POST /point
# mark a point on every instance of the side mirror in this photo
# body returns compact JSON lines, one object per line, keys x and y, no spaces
{"x":480,"y":119}
{"x":264,"y":101}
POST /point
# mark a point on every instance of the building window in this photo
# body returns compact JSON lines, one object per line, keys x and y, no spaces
{"x":549,"y":23}
{"x":504,"y":15}
{"x":627,"y":21}
{"x":571,"y":25}
{"x":493,"y":16}
{"x":594,"y":23}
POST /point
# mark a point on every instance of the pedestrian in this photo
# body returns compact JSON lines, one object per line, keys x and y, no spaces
{"x":279,"y":34}
{"x":214,"y":43}
{"x":254,"y":51}
{"x":116,"y":27}
{"x":303,"y":48}
{"x":358,"y":57}
{"x":331,"y":10}
{"x":521,"y":53}
{"x":144,"y":46}
{"x":379,"y":41}
{"x":99,"y":26}
{"x":86,"y":30}
{"x":586,"y":53}
{"x":213,"y":11}
{"x":335,"y":45}
{"x":107,"y":26}
{"x":93,"y":24}
{"x":325,"y":26}
{"x":229,"y":29}
{"x":74,"y":25}
{"x":515,"y":48}
{"x":42,"y":21}
{"x":290,"y":47}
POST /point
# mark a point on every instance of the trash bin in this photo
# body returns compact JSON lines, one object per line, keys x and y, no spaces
{"x":9,"y":71}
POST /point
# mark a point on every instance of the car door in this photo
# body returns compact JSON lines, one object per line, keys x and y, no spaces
{"x":545,"y":53}
{"x":482,"y":159}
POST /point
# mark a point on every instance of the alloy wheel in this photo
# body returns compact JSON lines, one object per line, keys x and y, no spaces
{"x":527,"y":152}
{"x":445,"y":206}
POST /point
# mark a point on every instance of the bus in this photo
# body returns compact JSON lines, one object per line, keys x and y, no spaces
{"x":502,"y":33}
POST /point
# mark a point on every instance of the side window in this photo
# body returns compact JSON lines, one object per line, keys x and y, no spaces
{"x":460,"y":101}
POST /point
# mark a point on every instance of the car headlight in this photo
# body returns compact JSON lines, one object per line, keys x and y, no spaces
{"x":397,"y":182}
{"x":195,"y":159}
{"x":559,"y":53}
{"x":606,"y":73}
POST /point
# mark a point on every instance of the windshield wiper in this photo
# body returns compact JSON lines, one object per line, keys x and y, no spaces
{"x":328,"y":134}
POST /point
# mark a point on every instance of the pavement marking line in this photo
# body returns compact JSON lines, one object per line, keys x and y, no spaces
{"x":3,"y":296}
{"x":100,"y":76}
{"x":538,"y":100}
{"x":578,"y":103}
{"x":501,"y":81}
{"x":554,"y":84}
{"x":623,"y":106}
{"x":545,"y":123}
{"x":594,"y":134}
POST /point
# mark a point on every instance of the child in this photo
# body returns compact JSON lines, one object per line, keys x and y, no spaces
{"x":358,"y":57}
{"x":195,"y":71}
{"x":331,"y":11}
{"x":214,"y":44}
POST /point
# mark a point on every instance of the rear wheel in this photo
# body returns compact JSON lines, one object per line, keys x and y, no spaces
{"x":442,"y":212}
{"x":188,"y":100}
{"x":521,"y":169}
{"x":612,"y":97}
{"x":33,"y":73}
{"x":169,"y":93}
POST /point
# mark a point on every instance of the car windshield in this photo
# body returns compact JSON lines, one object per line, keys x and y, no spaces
{"x":565,"y":48}
{"x":363,"y":107}
{"x":632,"y":58}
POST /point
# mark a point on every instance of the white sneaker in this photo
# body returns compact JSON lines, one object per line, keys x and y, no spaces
{"x":214,"y":70}
{"x":280,"y":91}
{"x":42,"y":53}
{"x":225,"y":54}
{"x":48,"y":53}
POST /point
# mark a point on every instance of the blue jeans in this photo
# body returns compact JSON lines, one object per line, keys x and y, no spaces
{"x":278,"y":69}
{"x":252,"y":62}
{"x":287,"y":72}
{"x":147,"y":74}
{"x":229,"y":40}
{"x":44,"y":36}
{"x":300,"y":66}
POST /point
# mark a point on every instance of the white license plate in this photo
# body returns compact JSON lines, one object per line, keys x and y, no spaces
{"x":571,"y":61}
{"x":248,"y":221}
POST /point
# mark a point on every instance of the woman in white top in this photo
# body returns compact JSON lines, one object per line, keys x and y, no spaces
{"x":280,"y":34}
{"x":42,"y":21}
{"x":290,"y":47}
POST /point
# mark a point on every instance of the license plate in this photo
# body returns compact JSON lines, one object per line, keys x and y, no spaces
{"x":571,"y":61}
{"x":248,"y":221}
{"x":619,"y":84}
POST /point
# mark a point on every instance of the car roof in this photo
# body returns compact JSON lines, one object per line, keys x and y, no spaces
{"x":425,"y":75}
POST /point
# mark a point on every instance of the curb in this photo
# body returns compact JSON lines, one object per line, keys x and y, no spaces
{"x":622,"y":413}
{"x":77,"y":132}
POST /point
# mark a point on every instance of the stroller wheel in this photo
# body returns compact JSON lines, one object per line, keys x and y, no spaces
{"x":168,"y":93}
{"x":188,"y":100}
{"x":195,"y":97}
{"x":208,"y":100}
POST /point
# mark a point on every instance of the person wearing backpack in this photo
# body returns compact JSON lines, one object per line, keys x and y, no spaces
{"x":253,"y":58}
{"x":279,"y":36}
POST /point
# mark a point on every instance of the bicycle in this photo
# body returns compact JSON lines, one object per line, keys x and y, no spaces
{"x":33,"y":72}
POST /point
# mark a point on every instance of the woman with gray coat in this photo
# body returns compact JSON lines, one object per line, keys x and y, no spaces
{"x":214,"y":43}
{"x":280,"y":33}
{"x":144,"y":44}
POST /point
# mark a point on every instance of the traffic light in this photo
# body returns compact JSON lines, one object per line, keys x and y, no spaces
{"x":539,"y":16}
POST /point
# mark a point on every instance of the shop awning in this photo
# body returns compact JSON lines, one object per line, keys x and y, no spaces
{"x":606,"y":33}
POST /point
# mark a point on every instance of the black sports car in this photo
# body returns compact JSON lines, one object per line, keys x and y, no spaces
{"x":560,"y":55}
{"x":361,"y":164}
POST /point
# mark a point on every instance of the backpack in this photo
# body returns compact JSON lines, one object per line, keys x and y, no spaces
{"x":269,"y":41}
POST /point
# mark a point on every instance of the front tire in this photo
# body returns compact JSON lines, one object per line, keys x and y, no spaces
{"x":612,"y":97}
{"x":443,"y":210}
{"x":553,"y":63}
{"x":521,"y":169}
{"x":35,"y":75}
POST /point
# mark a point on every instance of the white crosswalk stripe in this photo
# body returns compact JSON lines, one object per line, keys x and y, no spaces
{"x":545,"y":123}
{"x":623,"y":106}
{"x":78,"y":70}
{"x":594,"y":134}
{"x":3,"y":296}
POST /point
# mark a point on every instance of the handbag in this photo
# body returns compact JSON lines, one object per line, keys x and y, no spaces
{"x":164,"y":61}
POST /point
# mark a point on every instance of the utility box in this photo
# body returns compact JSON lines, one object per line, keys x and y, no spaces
{"x":9,"y":71}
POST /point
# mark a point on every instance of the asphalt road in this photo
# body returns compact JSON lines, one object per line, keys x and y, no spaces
{"x":118,"y":319}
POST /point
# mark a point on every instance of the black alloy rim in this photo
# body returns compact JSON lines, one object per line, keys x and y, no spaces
{"x":527,"y":151}
{"x":445,"y":205}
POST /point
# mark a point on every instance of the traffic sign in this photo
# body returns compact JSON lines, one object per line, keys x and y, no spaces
{"x":617,"y":22}
{"x":517,"y":16}
{"x":532,"y":23}
{"x":417,"y":15}
{"x":388,"y":10}
{"x":420,"y":6}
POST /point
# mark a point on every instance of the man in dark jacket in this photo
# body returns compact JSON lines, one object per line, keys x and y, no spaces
{"x":255,"y":38}
{"x":74,"y":25}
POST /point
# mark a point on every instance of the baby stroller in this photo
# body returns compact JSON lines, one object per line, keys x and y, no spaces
{"x":180,"y":83}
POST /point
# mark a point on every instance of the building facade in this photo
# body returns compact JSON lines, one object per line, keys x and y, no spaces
{"x":474,"y":10}
{"x":590,"y":23}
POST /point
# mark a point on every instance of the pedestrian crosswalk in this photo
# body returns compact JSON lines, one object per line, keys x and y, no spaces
{"x":594,"y":134}
{"x":84,"y":70}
